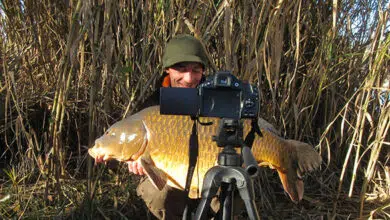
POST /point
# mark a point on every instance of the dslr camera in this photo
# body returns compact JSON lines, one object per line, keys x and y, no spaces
{"x":221,"y":95}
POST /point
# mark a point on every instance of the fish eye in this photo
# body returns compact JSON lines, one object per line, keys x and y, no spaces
{"x":109,"y":133}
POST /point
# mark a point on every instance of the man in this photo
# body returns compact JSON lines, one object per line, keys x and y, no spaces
{"x":184,"y":62}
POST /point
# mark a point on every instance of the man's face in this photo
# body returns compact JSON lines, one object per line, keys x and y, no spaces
{"x":185,"y":74}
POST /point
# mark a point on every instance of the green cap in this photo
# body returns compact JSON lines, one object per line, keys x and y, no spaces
{"x":184,"y":48}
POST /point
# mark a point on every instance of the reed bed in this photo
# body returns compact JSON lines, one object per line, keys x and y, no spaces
{"x":69,"y":69}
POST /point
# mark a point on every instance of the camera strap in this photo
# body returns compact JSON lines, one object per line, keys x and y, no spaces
{"x":193,"y":152}
{"x":250,"y":137}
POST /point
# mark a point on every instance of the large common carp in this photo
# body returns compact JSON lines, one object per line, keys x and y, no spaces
{"x":160,"y":144}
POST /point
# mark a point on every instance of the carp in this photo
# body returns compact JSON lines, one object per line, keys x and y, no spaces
{"x":160,"y":144}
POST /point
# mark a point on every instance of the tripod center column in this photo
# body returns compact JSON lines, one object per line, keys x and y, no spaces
{"x":229,"y":157}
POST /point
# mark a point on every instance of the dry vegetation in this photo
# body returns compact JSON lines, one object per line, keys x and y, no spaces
{"x":69,"y":69}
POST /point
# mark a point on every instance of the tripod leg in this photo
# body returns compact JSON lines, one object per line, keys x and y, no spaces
{"x":204,"y":205}
{"x":247,"y":194}
{"x":228,"y":205}
{"x":210,"y":187}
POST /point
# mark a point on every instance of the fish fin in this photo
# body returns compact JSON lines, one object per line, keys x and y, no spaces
{"x":265,"y":125}
{"x":266,"y":164}
{"x":307,"y":158}
{"x":292,"y":185}
{"x":157,"y":176}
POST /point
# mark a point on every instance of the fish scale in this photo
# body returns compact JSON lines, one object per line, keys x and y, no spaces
{"x":174,"y":159}
{"x":160,"y":142}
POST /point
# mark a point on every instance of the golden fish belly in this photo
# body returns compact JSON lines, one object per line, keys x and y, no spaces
{"x":168,"y":148}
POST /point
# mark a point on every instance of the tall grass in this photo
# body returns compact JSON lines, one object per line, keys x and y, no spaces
{"x":70,"y":69}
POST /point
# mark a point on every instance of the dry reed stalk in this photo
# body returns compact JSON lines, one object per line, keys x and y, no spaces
{"x":228,"y":31}
{"x":92,"y":30}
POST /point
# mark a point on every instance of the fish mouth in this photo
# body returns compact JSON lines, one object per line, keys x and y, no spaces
{"x":92,"y":152}
{"x":98,"y":156}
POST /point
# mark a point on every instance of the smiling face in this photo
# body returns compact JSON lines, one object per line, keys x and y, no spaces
{"x":185,"y":74}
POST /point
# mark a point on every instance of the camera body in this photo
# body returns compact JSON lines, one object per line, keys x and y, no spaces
{"x":220,"y":95}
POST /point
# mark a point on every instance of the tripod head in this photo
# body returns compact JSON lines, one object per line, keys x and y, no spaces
{"x":230,"y":135}
{"x":230,"y":132}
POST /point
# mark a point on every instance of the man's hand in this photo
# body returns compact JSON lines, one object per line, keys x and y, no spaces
{"x":135,"y":167}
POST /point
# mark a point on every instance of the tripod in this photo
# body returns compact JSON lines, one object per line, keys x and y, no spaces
{"x":228,"y":174}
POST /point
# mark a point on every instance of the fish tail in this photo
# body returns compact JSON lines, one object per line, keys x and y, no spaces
{"x":307,"y":158}
{"x":292,"y":184}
